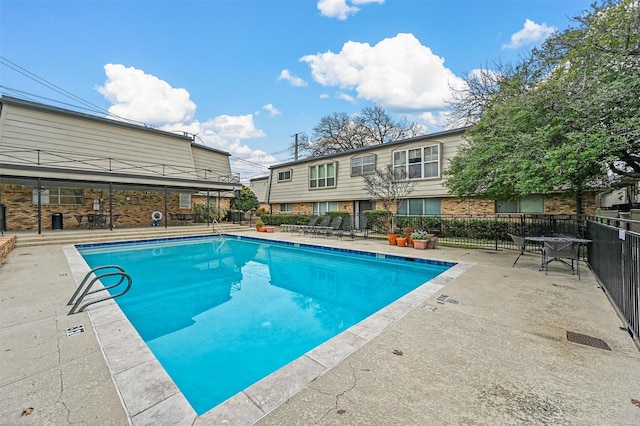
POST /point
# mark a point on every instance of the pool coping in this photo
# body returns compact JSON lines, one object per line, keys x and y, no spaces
{"x":149,"y":395}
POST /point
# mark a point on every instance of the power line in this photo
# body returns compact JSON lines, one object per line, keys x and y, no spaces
{"x":87,"y":105}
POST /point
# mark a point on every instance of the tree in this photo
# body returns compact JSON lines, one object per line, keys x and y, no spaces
{"x":560,"y":118}
{"x":390,"y":187}
{"x":339,"y":132}
{"x":245,"y":200}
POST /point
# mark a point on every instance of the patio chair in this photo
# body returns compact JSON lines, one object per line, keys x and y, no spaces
{"x":322,"y":223}
{"x":559,"y":250}
{"x":345,"y":228}
{"x":521,"y":243}
{"x":299,"y":228}
{"x":333,"y":227}
{"x":362,"y":230}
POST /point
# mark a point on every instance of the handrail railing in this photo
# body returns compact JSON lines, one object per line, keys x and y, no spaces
{"x":84,"y":290}
{"x":215,"y":222}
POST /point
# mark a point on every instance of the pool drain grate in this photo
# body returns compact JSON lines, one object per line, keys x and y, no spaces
{"x":77,"y":329}
{"x":583,"y":339}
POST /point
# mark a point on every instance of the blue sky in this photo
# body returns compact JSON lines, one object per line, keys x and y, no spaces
{"x":245,"y":76}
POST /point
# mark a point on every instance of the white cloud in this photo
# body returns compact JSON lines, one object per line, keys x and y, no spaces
{"x":397,"y":72}
{"x":340,"y":9}
{"x":292,"y":79}
{"x":138,"y":96}
{"x":273,"y":111}
{"x":346,"y":97}
{"x":336,"y":9}
{"x":530,"y":33}
{"x":144,"y":97}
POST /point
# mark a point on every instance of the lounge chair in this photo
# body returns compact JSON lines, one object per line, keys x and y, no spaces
{"x":344,"y":229}
{"x":328,"y":230}
{"x":312,"y":222}
{"x":363,"y":230}
{"x":322,"y":223}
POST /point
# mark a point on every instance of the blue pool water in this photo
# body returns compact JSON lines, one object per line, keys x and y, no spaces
{"x":221,"y":314}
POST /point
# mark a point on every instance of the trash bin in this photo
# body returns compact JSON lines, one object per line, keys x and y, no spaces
{"x":3,"y":218}
{"x":56,"y":220}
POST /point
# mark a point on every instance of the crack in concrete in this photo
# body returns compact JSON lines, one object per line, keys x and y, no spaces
{"x":337,"y":396}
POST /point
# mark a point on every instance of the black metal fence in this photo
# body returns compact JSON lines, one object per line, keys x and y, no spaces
{"x":493,"y":230}
{"x":614,"y":257}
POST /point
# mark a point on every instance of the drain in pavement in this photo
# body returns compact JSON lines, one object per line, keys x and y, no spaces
{"x":583,"y":339}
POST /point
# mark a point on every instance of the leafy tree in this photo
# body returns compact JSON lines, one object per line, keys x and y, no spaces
{"x":561,"y":118}
{"x":339,"y":132}
{"x":390,"y":187}
{"x":245,"y":200}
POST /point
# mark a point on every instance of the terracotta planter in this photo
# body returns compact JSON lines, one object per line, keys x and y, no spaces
{"x":269,"y":228}
{"x":420,"y":244}
{"x":261,"y":229}
{"x":409,"y":240}
{"x":392,"y":238}
{"x":431,"y":243}
{"x":401,"y":241}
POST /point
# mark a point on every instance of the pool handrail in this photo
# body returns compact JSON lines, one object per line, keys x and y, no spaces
{"x":86,"y":290}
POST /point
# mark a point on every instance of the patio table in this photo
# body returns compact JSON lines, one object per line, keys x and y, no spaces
{"x":559,"y":239}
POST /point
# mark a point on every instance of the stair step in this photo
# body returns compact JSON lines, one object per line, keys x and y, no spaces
{"x":119,"y":234}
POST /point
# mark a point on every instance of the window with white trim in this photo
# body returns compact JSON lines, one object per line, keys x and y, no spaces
{"x":322,"y":176}
{"x":418,"y":163}
{"x":324,"y":207}
{"x":286,"y":207}
{"x":363,"y":165}
{"x":284,"y":176}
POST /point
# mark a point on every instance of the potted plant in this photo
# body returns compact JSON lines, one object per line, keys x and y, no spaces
{"x":259,"y":225}
{"x":390,"y":187}
{"x":401,"y":240}
{"x":407,"y":231}
{"x":420,"y":239}
{"x":432,"y":241}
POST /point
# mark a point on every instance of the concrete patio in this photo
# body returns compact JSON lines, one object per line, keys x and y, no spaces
{"x":500,"y":355}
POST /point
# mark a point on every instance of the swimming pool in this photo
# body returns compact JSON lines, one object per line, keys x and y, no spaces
{"x":220,"y":314}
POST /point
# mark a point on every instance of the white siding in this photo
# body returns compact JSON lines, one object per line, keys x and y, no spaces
{"x":260,"y":187}
{"x":75,"y":143}
{"x":215,"y":163}
{"x":351,"y":187}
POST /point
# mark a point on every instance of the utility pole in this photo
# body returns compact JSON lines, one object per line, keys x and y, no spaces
{"x":295,"y":154}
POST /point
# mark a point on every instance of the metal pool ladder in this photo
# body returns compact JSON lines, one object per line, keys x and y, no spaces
{"x":215,"y":222}
{"x":84,"y":290}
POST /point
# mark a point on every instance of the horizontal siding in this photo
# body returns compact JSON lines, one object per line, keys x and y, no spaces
{"x":215,"y":163}
{"x":73,"y":142}
{"x":352,"y":188}
{"x":260,"y":187}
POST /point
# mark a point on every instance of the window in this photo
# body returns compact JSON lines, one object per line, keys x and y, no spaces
{"x":418,"y":163}
{"x":324,"y":207}
{"x":526,"y":204}
{"x":284,"y":176}
{"x":60,"y":196}
{"x":363,"y":165}
{"x":322,"y":176}
{"x":286,"y":208}
{"x":419,"y":206}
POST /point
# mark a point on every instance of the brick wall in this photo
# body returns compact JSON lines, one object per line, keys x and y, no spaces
{"x":133,"y":207}
{"x":460,"y":206}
